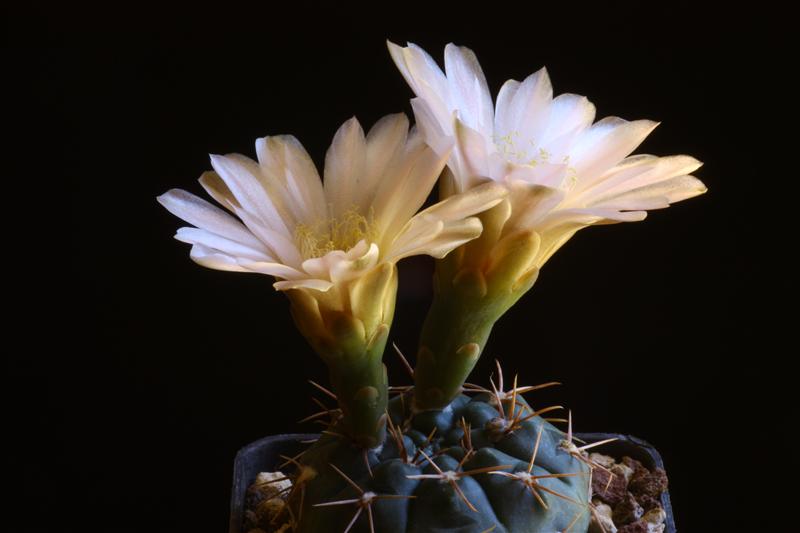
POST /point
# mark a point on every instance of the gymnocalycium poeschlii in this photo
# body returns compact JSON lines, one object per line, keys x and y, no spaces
{"x":516,"y":181}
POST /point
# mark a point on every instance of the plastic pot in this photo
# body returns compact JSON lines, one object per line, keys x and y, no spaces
{"x":263,"y":455}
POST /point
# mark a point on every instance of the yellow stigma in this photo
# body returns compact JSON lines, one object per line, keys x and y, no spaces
{"x":340,"y":233}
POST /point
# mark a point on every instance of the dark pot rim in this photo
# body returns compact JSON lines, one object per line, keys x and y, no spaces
{"x":262,"y":456}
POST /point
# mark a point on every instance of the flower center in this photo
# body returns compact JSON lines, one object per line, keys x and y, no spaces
{"x":517,"y":151}
{"x":340,"y":233}
{"x":514,"y":150}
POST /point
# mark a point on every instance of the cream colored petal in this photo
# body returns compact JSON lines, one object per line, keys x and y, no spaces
{"x":403,"y":193}
{"x":281,"y":246}
{"x":222,"y":244}
{"x":273,"y":269}
{"x":283,"y":158}
{"x":531,"y":204}
{"x":216,"y":189}
{"x":503,"y":123}
{"x":528,"y":112}
{"x":438,"y":137}
{"x":417,"y":231}
{"x":361,"y":248}
{"x":604,"y":145}
{"x":437,"y":244}
{"x":499,"y":165}
{"x":244,"y":181}
{"x":544,"y":174}
{"x":385,"y":140}
{"x":474,"y":150}
{"x":629,"y":168}
{"x":385,"y":144}
{"x":471,"y":202}
{"x":353,"y":265}
{"x":654,"y":196}
{"x":586,"y":217}
{"x":469,"y":92}
{"x":453,"y":235}
{"x":289,"y":209}
{"x":344,"y":167}
{"x":314,"y":284}
{"x":320,"y":267}
{"x":639,"y":171}
{"x":430,"y":229}
{"x":212,"y":259}
{"x":425,"y":78}
{"x":202,"y":214}
{"x":569,"y":114}
{"x":441,"y":140}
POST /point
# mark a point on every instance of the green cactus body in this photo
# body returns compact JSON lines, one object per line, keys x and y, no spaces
{"x":500,"y":503}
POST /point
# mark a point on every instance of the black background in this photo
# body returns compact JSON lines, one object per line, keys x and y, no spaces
{"x":158,"y":370}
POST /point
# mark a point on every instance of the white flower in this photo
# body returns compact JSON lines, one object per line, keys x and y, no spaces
{"x":313,"y":236}
{"x":564,"y":172}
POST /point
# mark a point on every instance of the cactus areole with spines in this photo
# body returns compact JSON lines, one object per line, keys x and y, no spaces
{"x":516,"y":181}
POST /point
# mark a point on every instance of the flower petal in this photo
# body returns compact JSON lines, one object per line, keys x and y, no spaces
{"x":654,"y":196}
{"x":315,"y":284}
{"x":429,"y":230}
{"x":352,"y":265}
{"x":221,"y":244}
{"x":440,"y":139}
{"x":569,"y":114}
{"x":203,"y":214}
{"x":587,"y":217}
{"x":385,"y":144}
{"x":545,"y":174}
{"x":425,"y":78}
{"x":212,"y":259}
{"x":474,"y":150}
{"x":242,"y":176}
{"x":216,"y":189}
{"x":469,"y":93}
{"x":527,"y":113}
{"x":345,"y":163}
{"x":320,"y":267}
{"x":604,"y":145}
{"x":639,"y":171}
{"x":471,"y":202}
{"x":439,"y":243}
{"x":271,"y":268}
{"x":503,"y":123}
{"x":532,"y":203}
{"x":281,"y":246}
{"x":400,"y":196}
{"x":283,"y":159}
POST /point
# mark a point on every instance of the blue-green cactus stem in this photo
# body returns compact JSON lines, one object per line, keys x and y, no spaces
{"x":407,"y":494}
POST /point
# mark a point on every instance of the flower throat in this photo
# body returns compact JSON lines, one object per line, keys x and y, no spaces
{"x":340,"y":233}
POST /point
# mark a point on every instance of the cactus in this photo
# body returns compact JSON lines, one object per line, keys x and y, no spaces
{"x":489,"y":462}
{"x":515,"y":186}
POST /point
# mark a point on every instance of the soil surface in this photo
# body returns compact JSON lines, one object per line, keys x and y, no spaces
{"x":626,"y":496}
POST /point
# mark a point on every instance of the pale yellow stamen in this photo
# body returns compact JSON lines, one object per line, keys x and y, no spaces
{"x":341,"y":233}
{"x":508,"y":147}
